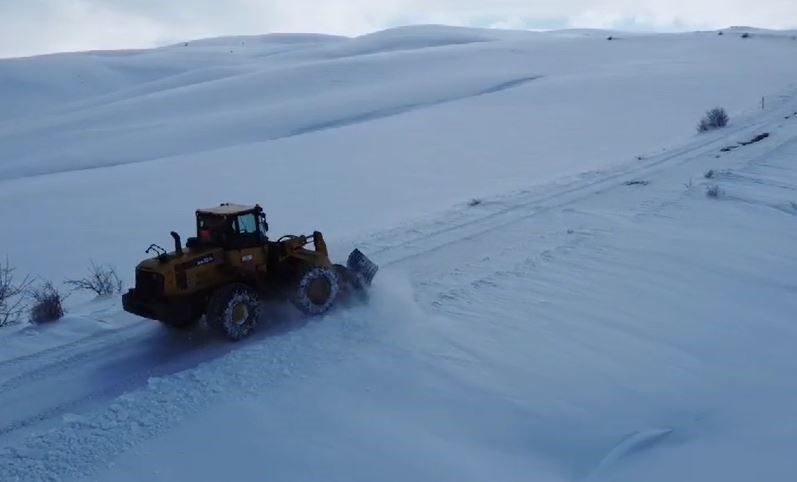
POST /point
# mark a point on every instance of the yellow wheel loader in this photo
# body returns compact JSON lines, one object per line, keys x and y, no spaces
{"x":231,"y":265}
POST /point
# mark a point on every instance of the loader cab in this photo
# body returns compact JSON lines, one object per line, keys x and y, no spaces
{"x":230,"y":226}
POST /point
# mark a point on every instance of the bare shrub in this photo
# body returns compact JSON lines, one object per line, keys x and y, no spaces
{"x":713,"y":191}
{"x":47,"y":303}
{"x":102,"y":280}
{"x":714,"y":119}
{"x":12,"y":295}
{"x":474,"y":202}
{"x":709,"y":174}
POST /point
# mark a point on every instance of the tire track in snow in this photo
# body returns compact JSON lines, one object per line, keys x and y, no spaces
{"x":61,"y":409}
{"x":536,"y":203}
{"x":83,"y":444}
{"x":170,"y":350}
{"x":63,"y":352}
{"x":76,"y":353}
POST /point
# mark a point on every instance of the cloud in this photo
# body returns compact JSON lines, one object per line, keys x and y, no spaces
{"x":39,"y":26}
{"x":46,"y":26}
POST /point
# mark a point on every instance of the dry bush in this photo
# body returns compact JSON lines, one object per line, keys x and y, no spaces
{"x":713,"y":191}
{"x":47,"y":303}
{"x":714,"y":119}
{"x":12,"y":295}
{"x":102,"y":280}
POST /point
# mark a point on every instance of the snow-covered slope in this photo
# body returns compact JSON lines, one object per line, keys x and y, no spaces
{"x":594,"y":317}
{"x":368,"y":116}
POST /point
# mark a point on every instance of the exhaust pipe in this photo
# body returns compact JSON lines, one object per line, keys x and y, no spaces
{"x":178,"y":247}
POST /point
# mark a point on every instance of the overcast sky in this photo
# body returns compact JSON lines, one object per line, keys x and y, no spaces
{"x":39,"y":26}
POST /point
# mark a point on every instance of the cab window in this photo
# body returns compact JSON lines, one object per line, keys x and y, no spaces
{"x":210,"y":226}
{"x":247,"y":224}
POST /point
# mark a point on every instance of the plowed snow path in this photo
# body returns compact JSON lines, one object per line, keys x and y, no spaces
{"x":38,"y":390}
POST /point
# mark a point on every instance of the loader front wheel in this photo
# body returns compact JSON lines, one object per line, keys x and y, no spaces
{"x":315,"y":290}
{"x":234,"y":309}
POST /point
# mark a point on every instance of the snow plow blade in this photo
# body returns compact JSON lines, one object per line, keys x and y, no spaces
{"x":362,"y":268}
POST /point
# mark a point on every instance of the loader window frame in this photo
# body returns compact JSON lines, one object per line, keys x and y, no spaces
{"x":219,"y":228}
{"x":247,"y":231}
{"x":235,"y":231}
{"x":246,"y":224}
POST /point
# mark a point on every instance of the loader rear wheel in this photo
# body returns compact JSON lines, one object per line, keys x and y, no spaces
{"x":315,"y":290}
{"x":234,"y":309}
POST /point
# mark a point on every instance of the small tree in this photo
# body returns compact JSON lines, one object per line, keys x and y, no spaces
{"x":714,"y":119}
{"x":47,"y":303}
{"x":12,"y":295}
{"x":102,"y":280}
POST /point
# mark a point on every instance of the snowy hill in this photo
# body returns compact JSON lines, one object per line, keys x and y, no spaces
{"x":593,"y":316}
